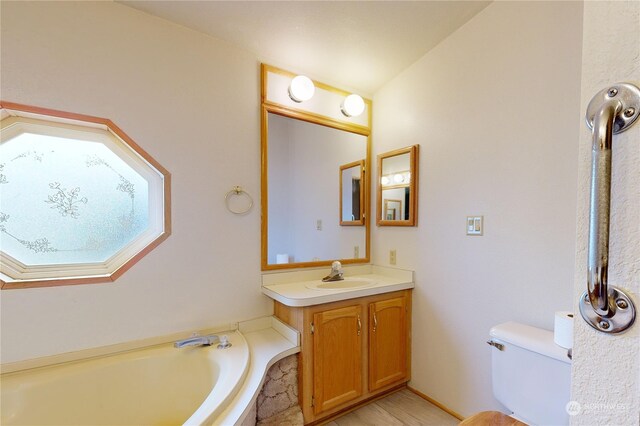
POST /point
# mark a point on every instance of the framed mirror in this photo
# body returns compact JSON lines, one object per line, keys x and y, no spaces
{"x":397,"y":187}
{"x":352,"y":194}
{"x":303,"y":145}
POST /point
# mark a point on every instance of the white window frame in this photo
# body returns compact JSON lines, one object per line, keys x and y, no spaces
{"x":17,"y":119}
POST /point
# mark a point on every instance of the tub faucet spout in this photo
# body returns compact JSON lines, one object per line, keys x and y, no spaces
{"x":197,"y":341}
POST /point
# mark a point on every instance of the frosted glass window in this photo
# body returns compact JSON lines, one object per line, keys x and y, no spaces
{"x":68,"y":201}
{"x":74,"y":201}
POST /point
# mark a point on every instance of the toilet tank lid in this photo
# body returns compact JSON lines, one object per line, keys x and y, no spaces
{"x":530,"y":338}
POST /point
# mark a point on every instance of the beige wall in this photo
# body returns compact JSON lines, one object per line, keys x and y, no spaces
{"x":606,"y":371}
{"x":193,"y":103}
{"x":495,"y":109}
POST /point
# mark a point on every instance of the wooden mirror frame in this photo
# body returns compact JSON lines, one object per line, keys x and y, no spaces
{"x":359,"y":222}
{"x":381,"y":220}
{"x":298,"y":112}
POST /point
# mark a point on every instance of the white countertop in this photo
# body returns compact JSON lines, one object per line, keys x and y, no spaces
{"x":299,"y":293}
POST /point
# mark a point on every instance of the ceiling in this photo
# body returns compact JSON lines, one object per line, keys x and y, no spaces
{"x":356,"y":45}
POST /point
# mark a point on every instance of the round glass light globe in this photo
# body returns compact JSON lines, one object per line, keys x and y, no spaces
{"x":398,"y":178}
{"x":301,"y":88}
{"x":384,"y":180}
{"x":352,"y":106}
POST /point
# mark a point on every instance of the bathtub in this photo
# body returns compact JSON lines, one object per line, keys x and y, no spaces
{"x":159,"y":385}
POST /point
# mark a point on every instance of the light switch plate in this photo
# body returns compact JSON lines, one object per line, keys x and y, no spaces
{"x":475,"y":225}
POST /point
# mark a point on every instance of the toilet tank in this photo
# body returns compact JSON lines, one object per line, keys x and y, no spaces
{"x":531,"y":375}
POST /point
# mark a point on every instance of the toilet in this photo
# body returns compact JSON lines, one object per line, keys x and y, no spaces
{"x":531,"y":375}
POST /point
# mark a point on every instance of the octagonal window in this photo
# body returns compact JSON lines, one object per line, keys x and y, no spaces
{"x":79,"y":201}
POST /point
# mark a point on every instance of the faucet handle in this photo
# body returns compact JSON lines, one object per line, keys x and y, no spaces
{"x":336,"y":272}
{"x":224,"y":342}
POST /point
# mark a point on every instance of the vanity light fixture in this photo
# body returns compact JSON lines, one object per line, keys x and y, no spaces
{"x":301,"y":89}
{"x":400,"y":178}
{"x":352,"y":106}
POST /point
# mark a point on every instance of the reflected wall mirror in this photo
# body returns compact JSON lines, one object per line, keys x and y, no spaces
{"x":397,"y":187}
{"x":310,"y":218}
{"x":352,"y":194}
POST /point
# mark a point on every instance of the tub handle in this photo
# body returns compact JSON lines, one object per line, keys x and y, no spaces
{"x":611,"y":111}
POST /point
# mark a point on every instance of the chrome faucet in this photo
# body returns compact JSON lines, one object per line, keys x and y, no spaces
{"x":197,"y":341}
{"x":336,"y":273}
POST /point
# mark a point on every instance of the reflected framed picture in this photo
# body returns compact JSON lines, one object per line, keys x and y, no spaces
{"x":392,"y":209}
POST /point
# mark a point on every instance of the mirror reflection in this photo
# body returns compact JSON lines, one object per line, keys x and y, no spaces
{"x":304,"y":195}
{"x":397,"y":187}
{"x":393,"y":209}
{"x":351,"y":193}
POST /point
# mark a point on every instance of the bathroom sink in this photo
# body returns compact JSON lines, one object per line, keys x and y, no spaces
{"x":347,"y":283}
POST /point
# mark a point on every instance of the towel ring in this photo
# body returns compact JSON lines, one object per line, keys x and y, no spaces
{"x":237,"y":190}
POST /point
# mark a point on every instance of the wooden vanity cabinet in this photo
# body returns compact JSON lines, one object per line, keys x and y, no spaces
{"x":337,"y":357}
{"x":352,"y":350}
{"x":388,"y":343}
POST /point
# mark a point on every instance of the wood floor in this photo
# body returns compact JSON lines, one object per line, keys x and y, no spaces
{"x":399,"y":408}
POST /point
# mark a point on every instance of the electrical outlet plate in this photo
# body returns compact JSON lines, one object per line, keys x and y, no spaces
{"x":392,"y":257}
{"x":475,"y":225}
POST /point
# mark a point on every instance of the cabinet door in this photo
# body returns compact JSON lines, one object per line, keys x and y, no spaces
{"x":337,"y":357}
{"x":387,"y":342}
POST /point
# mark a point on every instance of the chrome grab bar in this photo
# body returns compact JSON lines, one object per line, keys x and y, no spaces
{"x":600,"y":206}
{"x":611,"y":111}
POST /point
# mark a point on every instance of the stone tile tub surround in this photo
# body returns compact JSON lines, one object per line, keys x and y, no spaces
{"x":270,"y":341}
{"x":280,"y":389}
{"x":289,"y":417}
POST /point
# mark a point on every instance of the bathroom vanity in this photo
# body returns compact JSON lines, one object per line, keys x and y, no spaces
{"x":355,"y":339}
{"x":355,"y":333}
